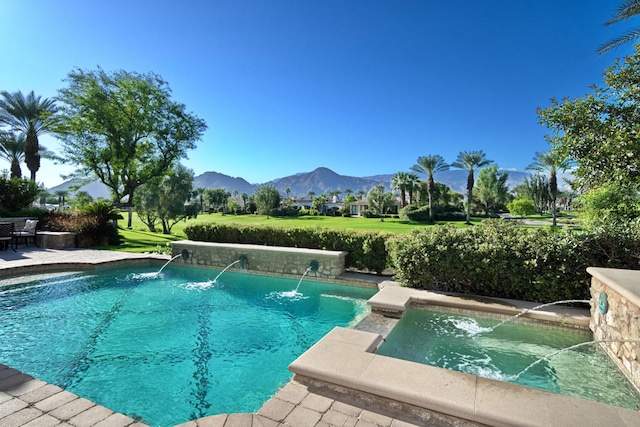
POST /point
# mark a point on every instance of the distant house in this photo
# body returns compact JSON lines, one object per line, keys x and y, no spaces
{"x":361,"y":205}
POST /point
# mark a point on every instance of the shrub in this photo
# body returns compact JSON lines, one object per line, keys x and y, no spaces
{"x":93,"y":226}
{"x":503,"y":259}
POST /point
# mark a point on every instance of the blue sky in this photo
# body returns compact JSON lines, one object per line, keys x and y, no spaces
{"x":363,"y":87}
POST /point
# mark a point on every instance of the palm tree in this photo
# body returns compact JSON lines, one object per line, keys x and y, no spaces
{"x":412,"y":185}
{"x":429,"y":165}
{"x":628,"y":9}
{"x":12,"y":150}
{"x":348,"y":192}
{"x":360,"y":194}
{"x":400,"y":182}
{"x":33,"y":117}
{"x":550,"y":162}
{"x":470,"y":161}
{"x":62,"y":194}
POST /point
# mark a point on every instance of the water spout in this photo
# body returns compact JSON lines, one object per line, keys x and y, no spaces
{"x":295,"y":293}
{"x":525,"y":311}
{"x":154,"y":274}
{"x":555,"y":353}
{"x":167,"y":263}
{"x":225,"y":269}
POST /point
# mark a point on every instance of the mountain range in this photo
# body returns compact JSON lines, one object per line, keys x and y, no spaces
{"x":319,"y":181}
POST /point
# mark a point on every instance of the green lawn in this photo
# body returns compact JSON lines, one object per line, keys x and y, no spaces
{"x":139,"y":239}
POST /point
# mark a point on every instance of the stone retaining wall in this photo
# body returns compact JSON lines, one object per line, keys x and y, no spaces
{"x":615,"y":315}
{"x":56,"y":239}
{"x":264,"y":259}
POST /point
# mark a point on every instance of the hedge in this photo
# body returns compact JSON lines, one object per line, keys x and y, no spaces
{"x":502,"y":259}
{"x":366,"y":249}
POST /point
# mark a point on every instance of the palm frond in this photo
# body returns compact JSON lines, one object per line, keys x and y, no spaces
{"x":619,"y":41}
{"x":625,"y":11}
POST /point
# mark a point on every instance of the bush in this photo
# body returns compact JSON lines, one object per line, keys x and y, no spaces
{"x":93,"y":226}
{"x":369,"y":214}
{"x":366,"y":249}
{"x":503,"y":259}
{"x":415,"y":213}
{"x":16,"y":194}
{"x":285,"y":211}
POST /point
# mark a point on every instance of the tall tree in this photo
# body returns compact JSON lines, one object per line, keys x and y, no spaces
{"x":12,"y":150}
{"x":491,"y":188}
{"x":124,"y":129}
{"x":162,"y":199}
{"x":400,"y":182}
{"x":550,"y":162}
{"x":32,"y":116}
{"x":267,"y":198}
{"x":628,"y":9}
{"x":536,"y":188}
{"x":471,"y":161}
{"x":379,"y":200}
{"x":429,"y":165}
{"x":412,"y":186}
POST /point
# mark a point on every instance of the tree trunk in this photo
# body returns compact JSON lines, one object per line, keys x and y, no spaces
{"x":470,"y":182}
{"x":31,"y":154}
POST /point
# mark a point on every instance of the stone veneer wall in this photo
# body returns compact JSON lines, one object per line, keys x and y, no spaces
{"x":617,"y":293}
{"x":264,"y":259}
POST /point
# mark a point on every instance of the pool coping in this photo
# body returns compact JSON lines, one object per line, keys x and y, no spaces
{"x":346,"y":358}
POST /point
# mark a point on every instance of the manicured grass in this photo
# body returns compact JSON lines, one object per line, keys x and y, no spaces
{"x":139,"y":239}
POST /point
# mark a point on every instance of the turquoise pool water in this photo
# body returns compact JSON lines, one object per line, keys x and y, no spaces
{"x":465,"y":344}
{"x":173,"y":348}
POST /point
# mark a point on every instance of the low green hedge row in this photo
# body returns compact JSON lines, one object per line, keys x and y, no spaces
{"x":366,"y":249}
{"x":496,"y":259}
{"x":502,"y":259}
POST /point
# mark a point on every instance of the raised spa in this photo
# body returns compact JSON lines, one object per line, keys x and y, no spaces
{"x":513,"y":352}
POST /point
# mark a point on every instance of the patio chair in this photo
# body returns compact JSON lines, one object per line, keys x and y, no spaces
{"x":27,"y":232}
{"x":6,"y":235}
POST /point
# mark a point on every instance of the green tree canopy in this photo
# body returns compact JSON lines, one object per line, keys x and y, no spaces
{"x":267,"y":198}
{"x":123,"y":128}
{"x":379,"y":200}
{"x":164,"y":199}
{"x":491,"y":188}
{"x":521,"y":207}
{"x":601,"y":131}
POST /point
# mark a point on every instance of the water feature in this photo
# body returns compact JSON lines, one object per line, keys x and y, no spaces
{"x":156,"y":274}
{"x":164,"y":349}
{"x":225,"y":269}
{"x":564,"y":350}
{"x":527,"y":310}
{"x":451,"y":341}
{"x":294,"y":293}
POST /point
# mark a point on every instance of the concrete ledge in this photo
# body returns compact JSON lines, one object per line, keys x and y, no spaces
{"x":265,"y":259}
{"x":393,"y":300}
{"x":343,"y":358}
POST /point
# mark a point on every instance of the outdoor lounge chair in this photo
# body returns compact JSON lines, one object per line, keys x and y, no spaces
{"x":28,"y":232}
{"x":6,"y":235}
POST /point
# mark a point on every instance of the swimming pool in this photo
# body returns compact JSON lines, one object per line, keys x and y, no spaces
{"x":170,"y":349}
{"x":467,"y":344}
